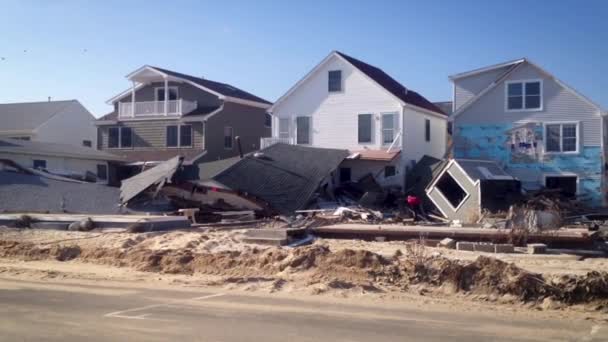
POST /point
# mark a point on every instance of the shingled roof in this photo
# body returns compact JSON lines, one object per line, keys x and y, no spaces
{"x":284,"y":176}
{"x":391,"y":85}
{"x":29,"y":115}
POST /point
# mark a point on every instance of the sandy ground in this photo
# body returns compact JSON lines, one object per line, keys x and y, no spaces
{"x":285,"y":283}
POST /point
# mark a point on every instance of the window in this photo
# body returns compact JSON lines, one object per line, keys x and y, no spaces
{"x":87,"y":143}
{"x":120,"y":137}
{"x":113,"y":135}
{"x":185,"y":136}
{"x":39,"y":164}
{"x":390,"y":171}
{"x":284,"y":128}
{"x":171,"y":136}
{"x":427,"y":130}
{"x":303,"y":130}
{"x":160,"y":93}
{"x":268,"y":120}
{"x":561,"y":137}
{"x":365,"y":128}
{"x":102,"y":172}
{"x":344,"y":174}
{"x":388,"y":128}
{"x":228,"y":137}
{"x":524,"y":95}
{"x":566,"y":184}
{"x":126,"y":138}
{"x":451,"y":190}
{"x":334,"y":81}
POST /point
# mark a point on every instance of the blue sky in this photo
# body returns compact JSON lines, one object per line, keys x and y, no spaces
{"x":83,"y":50}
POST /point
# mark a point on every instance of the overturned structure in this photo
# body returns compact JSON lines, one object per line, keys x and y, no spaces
{"x":465,"y":188}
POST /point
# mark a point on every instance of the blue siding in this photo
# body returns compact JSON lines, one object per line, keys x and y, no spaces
{"x":526,"y":160}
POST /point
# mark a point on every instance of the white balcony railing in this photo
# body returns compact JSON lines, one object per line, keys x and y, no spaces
{"x":155,"y":108}
{"x":265,"y":142}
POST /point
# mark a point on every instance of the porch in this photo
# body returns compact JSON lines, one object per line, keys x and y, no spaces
{"x":155,"y":108}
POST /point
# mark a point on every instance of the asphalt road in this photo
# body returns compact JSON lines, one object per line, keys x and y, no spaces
{"x":31,"y":311}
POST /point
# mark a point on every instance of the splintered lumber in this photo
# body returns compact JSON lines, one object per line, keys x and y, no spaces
{"x":398,"y":232}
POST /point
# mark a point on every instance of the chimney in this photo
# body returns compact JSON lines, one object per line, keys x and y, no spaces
{"x":49,"y":99}
{"x":238,"y":145}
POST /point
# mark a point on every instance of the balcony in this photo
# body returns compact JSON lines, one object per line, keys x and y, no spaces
{"x":155,"y":108}
{"x":266,"y":142}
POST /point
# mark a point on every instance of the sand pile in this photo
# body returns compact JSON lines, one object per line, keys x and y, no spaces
{"x":319,"y":265}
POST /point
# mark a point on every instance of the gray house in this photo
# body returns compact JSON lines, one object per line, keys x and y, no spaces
{"x":166,"y":113}
{"x":536,"y":127}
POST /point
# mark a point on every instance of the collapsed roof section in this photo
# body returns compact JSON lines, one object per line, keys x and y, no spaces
{"x":158,"y":175}
{"x":284,"y":176}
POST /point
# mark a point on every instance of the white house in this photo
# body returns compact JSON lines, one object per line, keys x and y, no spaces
{"x":348,"y":104}
{"x":63,"y":122}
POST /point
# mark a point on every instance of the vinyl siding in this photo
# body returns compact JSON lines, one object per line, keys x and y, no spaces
{"x":466,"y":88}
{"x":185,"y":91}
{"x":151,"y":134}
{"x":247,"y":123}
{"x":414,"y":144}
{"x":559,"y":104}
{"x":70,"y":126}
{"x":335,"y":115}
{"x":469,"y":209}
{"x":57,"y":164}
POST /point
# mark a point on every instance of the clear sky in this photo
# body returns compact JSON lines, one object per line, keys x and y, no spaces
{"x":83,"y":49}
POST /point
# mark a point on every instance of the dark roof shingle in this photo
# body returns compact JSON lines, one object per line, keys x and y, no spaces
{"x":391,"y":85}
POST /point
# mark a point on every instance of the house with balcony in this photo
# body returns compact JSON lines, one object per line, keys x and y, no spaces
{"x":345,"y":103}
{"x":165,"y":113}
{"x":539,"y":129}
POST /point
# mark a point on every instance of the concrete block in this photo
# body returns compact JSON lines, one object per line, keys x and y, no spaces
{"x":504,"y":248}
{"x":465,"y":246}
{"x":447,"y":243}
{"x":484,"y":247}
{"x":537,"y":248}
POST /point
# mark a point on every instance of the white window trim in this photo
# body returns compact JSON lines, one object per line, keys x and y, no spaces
{"x":265,"y":116}
{"x":288,"y":131}
{"x":523,"y":90}
{"x":309,"y":129}
{"x":455,"y":209}
{"x":561,"y":140}
{"x":179,"y":134}
{"x":231,"y":138}
{"x":371,"y":127}
{"x":395,"y":127}
{"x":563,"y":174}
{"x":120,"y":147}
{"x":163,"y":88}
{"x":341,"y":82}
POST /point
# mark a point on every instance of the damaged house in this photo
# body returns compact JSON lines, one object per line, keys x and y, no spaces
{"x":540,"y":130}
{"x":463,"y":189}
{"x":279,"y":179}
{"x":345,"y":103}
{"x":166,"y":114}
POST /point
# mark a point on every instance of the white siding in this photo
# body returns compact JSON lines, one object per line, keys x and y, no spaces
{"x":414,"y":144}
{"x":559,"y":104}
{"x":334,"y":115}
{"x":467,"y":87}
{"x":71,"y":126}
{"x":58,"y":164}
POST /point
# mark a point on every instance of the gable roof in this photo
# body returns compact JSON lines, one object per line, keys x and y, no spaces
{"x":377,"y":75}
{"x":16,"y":146}
{"x":28,"y":116}
{"x":485,"y":69}
{"x":284,"y":176}
{"x":223,"y":90}
{"x":514,"y":65}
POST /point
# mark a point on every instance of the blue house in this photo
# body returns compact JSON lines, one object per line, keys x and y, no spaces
{"x":537,"y":128}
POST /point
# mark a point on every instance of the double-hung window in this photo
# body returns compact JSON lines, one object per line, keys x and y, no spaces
{"x":334,"y":81}
{"x":303,"y":130}
{"x":561,"y":137}
{"x":284,"y":128}
{"x":524,"y":95}
{"x":365,"y":128}
{"x":427,"y":130}
{"x":228,"y":137}
{"x":389,"y":128}
{"x":179,"y":136}
{"x":160,"y":93}
{"x":120,"y":137}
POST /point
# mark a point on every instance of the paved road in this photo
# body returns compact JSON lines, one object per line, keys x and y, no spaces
{"x":31,"y":311}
